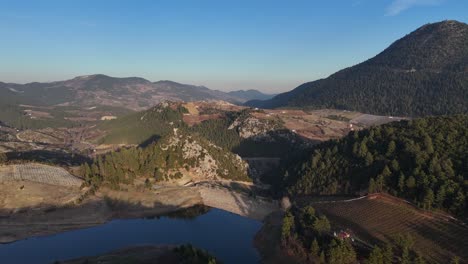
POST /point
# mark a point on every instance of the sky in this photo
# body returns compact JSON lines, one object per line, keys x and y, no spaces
{"x":270,"y":45}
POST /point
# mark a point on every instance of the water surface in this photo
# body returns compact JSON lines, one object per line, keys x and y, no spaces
{"x":227,"y":236}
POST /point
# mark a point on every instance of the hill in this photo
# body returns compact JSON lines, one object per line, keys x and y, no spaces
{"x":241,"y":130}
{"x":423,"y":73}
{"x":251,"y":95}
{"x":136,"y":128}
{"x":422,"y":160}
{"x":176,"y":157}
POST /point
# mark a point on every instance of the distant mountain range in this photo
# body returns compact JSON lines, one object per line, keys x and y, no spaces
{"x":133,"y":93}
{"x":424,"y":73}
{"x":251,"y":95}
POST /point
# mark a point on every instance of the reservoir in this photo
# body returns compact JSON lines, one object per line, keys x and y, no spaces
{"x":227,"y":236}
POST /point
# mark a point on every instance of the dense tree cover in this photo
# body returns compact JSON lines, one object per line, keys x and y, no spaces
{"x":139,"y":127}
{"x":307,"y":235}
{"x":310,"y":237}
{"x":14,"y":116}
{"x":387,"y":91}
{"x":216,"y":130}
{"x":188,"y":254}
{"x":423,"y":160}
{"x":422,"y":74}
{"x":159,"y":161}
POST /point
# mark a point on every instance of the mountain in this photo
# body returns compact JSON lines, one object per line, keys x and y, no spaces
{"x":423,"y":73}
{"x":251,"y":95}
{"x":176,"y":157}
{"x":133,"y":93}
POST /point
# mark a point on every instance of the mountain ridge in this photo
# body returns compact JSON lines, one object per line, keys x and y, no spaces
{"x":422,"y":73}
{"x":251,"y":94}
{"x":134,"y":93}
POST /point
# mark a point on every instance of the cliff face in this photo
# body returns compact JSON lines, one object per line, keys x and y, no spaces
{"x":195,"y":158}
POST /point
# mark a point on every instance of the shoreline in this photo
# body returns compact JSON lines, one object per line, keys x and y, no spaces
{"x":108,"y":205}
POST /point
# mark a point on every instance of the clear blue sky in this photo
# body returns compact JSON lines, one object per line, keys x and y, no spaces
{"x":267,"y":45}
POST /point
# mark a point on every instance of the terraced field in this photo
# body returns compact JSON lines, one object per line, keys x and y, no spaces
{"x":379,"y":218}
{"x":38,"y":173}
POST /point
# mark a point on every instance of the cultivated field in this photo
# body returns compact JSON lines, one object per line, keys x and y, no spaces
{"x":379,"y":218}
{"x":38,"y":173}
{"x":373,"y":120}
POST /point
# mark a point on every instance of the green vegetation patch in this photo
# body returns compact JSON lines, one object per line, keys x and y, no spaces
{"x":423,"y":160}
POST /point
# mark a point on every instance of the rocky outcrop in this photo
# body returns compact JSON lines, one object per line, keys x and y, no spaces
{"x":200,"y":158}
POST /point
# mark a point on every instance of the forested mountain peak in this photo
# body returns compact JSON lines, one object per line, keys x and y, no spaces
{"x":437,"y":46}
{"x":423,"y":73}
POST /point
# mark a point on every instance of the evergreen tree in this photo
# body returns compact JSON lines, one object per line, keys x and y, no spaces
{"x":376,"y":256}
{"x":3,"y":158}
{"x":315,"y":248}
{"x":287,"y":226}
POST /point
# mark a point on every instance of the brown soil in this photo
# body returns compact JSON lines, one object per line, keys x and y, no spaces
{"x":41,"y":209}
{"x":16,"y":195}
{"x":379,"y":218}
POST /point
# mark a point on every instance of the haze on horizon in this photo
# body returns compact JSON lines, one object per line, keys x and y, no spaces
{"x":272,"y":46}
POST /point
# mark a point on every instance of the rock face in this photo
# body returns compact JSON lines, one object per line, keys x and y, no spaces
{"x":200,"y":159}
{"x":252,"y":127}
{"x":237,"y":203}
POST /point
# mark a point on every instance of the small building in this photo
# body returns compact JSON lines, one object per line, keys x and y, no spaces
{"x":343,"y":235}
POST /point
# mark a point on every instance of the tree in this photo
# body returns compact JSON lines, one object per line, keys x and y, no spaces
{"x":380,"y":183}
{"x":411,"y":182}
{"x":341,"y":252}
{"x":401,"y":183}
{"x":455,"y":260}
{"x":321,"y":225}
{"x":419,"y":259}
{"x":428,"y":199}
{"x":391,"y":148}
{"x":369,"y":159}
{"x":376,"y":256}
{"x":315,"y":248}
{"x":372,"y":186}
{"x":387,"y":254}
{"x":405,"y":243}
{"x":428,"y":144}
{"x":395,"y":165}
{"x":147,"y":183}
{"x":287,"y":226}
{"x":3,"y":158}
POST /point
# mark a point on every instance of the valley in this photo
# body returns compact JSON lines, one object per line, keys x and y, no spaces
{"x":367,"y":165}
{"x":40,"y":200}
{"x":31,"y":201}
